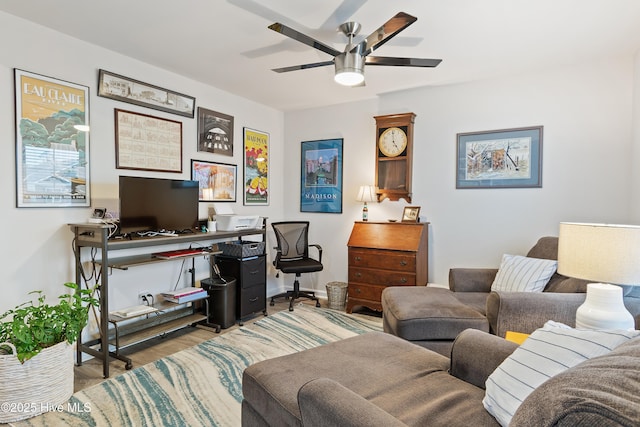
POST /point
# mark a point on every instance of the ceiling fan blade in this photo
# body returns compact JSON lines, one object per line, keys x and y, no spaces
{"x":302,"y":67}
{"x":382,"y":35}
{"x":302,"y":38}
{"x":402,"y":62}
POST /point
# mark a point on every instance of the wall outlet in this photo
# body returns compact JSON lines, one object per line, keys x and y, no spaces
{"x":142,"y":295}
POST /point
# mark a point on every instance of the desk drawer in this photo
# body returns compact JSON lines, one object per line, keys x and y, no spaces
{"x":365,"y":292}
{"x":381,"y":277}
{"x":386,"y":260}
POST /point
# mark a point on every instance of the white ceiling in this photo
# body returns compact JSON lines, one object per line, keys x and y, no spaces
{"x":226,"y":43}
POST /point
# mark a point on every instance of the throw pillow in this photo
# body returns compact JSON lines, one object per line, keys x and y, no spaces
{"x":548,"y":351}
{"x":522,"y":274}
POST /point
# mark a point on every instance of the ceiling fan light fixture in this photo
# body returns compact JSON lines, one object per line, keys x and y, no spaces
{"x":349,"y":69}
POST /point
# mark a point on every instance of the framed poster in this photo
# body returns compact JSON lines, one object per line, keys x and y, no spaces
{"x":321,"y":176}
{"x":508,"y":158}
{"x":217,"y":181}
{"x":121,"y":88}
{"x":256,"y":167}
{"x":52,"y":142}
{"x":146,"y":142}
{"x":215,"y":132}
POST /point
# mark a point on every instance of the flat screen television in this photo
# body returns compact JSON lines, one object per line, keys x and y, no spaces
{"x":154,"y":204}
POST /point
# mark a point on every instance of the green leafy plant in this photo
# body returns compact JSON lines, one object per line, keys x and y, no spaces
{"x":31,"y":327}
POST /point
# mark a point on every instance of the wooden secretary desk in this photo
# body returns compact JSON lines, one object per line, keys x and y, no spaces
{"x":385,"y":254}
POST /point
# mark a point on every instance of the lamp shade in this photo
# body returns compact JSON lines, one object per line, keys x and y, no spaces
{"x":367,"y":193}
{"x":603,"y":253}
{"x":607,"y":253}
{"x":349,"y":69}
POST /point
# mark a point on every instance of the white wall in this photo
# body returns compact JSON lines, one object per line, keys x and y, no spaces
{"x":586,"y":174}
{"x":36,"y":251}
{"x":588,"y":162}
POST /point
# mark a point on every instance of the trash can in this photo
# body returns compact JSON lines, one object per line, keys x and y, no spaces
{"x":337,"y":295}
{"x":222,"y":300}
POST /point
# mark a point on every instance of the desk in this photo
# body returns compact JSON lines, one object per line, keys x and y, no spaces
{"x":97,"y":236}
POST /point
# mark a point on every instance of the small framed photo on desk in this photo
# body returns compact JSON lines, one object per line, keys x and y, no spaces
{"x":411,"y":214}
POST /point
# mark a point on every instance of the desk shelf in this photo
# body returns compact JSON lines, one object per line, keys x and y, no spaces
{"x":169,"y":317}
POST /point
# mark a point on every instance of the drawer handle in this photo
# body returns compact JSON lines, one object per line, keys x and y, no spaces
{"x":254,"y":272}
{"x":403,"y":280}
{"x":403,"y":262}
{"x":253,"y":299}
{"x":358,"y":258}
{"x":358,"y":291}
{"x":358,"y":274}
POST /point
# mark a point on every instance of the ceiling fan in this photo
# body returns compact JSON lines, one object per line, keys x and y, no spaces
{"x":350,"y":63}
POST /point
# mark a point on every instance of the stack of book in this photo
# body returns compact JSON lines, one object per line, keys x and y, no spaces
{"x":180,"y":296}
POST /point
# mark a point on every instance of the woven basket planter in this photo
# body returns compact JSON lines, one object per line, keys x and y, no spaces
{"x":38,"y":385}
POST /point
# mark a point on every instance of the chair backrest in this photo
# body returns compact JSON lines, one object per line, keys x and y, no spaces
{"x":293,"y":239}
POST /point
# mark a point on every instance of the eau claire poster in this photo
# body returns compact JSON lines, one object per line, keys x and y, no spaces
{"x":52,"y":142}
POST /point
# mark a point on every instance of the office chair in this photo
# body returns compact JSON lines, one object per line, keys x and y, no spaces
{"x":293,"y":257}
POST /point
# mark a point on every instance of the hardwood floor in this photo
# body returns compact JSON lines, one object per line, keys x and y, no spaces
{"x":90,"y":373}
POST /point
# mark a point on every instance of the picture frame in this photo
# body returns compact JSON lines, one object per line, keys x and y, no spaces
{"x":52,"y":142}
{"x":145,"y":142}
{"x":411,"y":214}
{"x":126,"y":89}
{"x":321,"y":165}
{"x":506,"y":158}
{"x":256,"y":167}
{"x":215,"y":132}
{"x":217,"y":181}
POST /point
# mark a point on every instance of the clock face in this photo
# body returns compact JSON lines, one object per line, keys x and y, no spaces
{"x":392,"y":142}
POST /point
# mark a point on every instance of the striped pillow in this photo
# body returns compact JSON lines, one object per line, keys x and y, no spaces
{"x":522,"y":274}
{"x":550,"y":350}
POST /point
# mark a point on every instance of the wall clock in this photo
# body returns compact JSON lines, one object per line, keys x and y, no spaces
{"x":394,"y":156}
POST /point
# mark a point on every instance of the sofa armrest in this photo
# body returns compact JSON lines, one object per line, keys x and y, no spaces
{"x":471,"y":279}
{"x":527,"y":311}
{"x":476,"y":354}
{"x":326,"y":403}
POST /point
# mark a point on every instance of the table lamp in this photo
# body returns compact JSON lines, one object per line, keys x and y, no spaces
{"x":608,"y":253}
{"x":367,"y":193}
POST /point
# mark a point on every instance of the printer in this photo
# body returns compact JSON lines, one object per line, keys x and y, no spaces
{"x":226,"y":220}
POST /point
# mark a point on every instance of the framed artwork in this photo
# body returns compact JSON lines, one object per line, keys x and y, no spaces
{"x":321,"y":176}
{"x":217,"y":181}
{"x":146,"y":142}
{"x":125,"y":89}
{"x":411,"y":214}
{"x":215,"y":132}
{"x":256,"y":167}
{"x":52,"y":142}
{"x":508,"y":158}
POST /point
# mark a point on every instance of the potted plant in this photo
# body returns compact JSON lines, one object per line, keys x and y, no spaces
{"x":36,"y":352}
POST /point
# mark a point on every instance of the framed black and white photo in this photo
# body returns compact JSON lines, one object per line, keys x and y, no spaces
{"x":125,"y":89}
{"x":215,"y":132}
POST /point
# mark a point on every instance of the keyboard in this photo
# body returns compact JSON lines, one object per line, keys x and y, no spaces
{"x":179,"y":253}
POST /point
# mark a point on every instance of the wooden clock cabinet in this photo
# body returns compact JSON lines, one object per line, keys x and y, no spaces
{"x":383,"y":254}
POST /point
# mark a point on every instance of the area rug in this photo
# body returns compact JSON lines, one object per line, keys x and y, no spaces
{"x":202,"y":385}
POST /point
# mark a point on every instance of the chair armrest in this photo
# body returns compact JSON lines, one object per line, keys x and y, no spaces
{"x":476,"y":354}
{"x":471,"y":279}
{"x":527,"y":311}
{"x":319,"y":248}
{"x":326,"y":403}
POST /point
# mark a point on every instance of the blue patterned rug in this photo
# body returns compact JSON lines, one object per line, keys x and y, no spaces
{"x":202,"y":385}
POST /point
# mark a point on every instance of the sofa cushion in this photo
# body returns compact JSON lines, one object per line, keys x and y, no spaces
{"x":603,"y":391}
{"x":549,"y":351}
{"x":406,"y":381}
{"x":418,"y":313}
{"x":523,"y":274}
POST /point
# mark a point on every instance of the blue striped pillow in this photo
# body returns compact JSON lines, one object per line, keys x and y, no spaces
{"x":522,"y":274}
{"x":547,"y":352}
